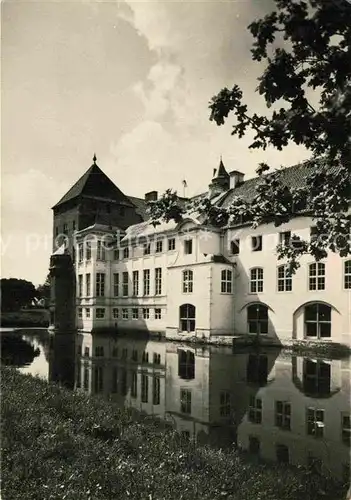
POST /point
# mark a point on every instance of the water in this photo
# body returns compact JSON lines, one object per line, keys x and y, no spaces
{"x":283,"y":407}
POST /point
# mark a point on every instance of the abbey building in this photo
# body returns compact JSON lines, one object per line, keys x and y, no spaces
{"x":190,"y":280}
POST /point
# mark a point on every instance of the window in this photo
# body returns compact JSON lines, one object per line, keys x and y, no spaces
{"x":171,"y":244}
{"x":146,"y":313}
{"x":126,"y":253}
{"x":80,"y":252}
{"x":226,"y":281}
{"x":158,"y":281}
{"x":125,"y":284}
{"x":135,"y":283}
{"x":144,"y":388}
{"x":254,"y":445}
{"x":115,"y":352}
{"x":135,"y":313}
{"x":101,"y":253}
{"x":135,"y":355}
{"x":257,"y":318}
{"x":186,"y":364}
{"x":87,"y":285}
{"x":146,"y":281}
{"x":256,"y":280}
{"x":347,"y":275}
{"x":124,"y":313}
{"x":257,"y":369}
{"x":156,"y":390}
{"x":99,"y":351}
{"x":116,"y":255}
{"x":124,"y":353}
{"x":284,"y":238}
{"x":284,"y":281}
{"x":255,"y":410}
{"x":80,"y":312}
{"x":158,"y":313}
{"x":87,"y":312}
{"x":315,"y":422}
{"x":157,"y":358}
{"x":317,"y":276}
{"x":86,"y":352}
{"x":115,"y":378}
{"x":346,"y":428}
{"x":88,"y":250}
{"x":283,"y":415}
{"x":224,"y":404}
{"x":134,"y":387}
{"x":86,"y":378}
{"x":147,"y":249}
{"x":188,"y":246}
{"x":145,"y":358}
{"x":115,"y":312}
{"x":256,"y":243}
{"x":115,"y":284}
{"x":187,"y":318}
{"x":185,"y":401}
{"x":235,"y":247}
{"x":123,"y":381}
{"x":98,"y":379}
{"x":80,"y":285}
{"x":159,"y":245}
{"x":100,"y":284}
{"x":282,"y":453}
{"x":318,"y":320}
{"x":316,"y":377}
{"x":65,"y":229}
{"x":188,"y":277}
{"x":100,"y":312}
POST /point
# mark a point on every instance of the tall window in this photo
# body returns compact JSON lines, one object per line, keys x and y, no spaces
{"x":257,"y":369}
{"x":80,"y":252}
{"x":157,"y":358}
{"x":284,"y":238}
{"x":100,"y":284}
{"x":158,"y":313}
{"x":188,"y":246}
{"x":134,"y":387}
{"x":318,"y":320}
{"x":235,"y":247}
{"x":255,"y":410}
{"x":80,"y":285}
{"x":317,"y":276}
{"x":158,"y":281}
{"x":315,"y":422}
{"x":125,"y":284}
{"x":126,"y":253}
{"x":284,"y":281}
{"x":171,"y":244}
{"x":86,"y":378}
{"x":283,"y":415}
{"x":115,"y":284}
{"x":135,"y":283}
{"x":98,"y":379}
{"x":101,"y":253}
{"x":135,"y":313}
{"x":87,"y":312}
{"x":282,"y":453}
{"x":159,"y":246}
{"x":185,"y":401}
{"x":187,"y":281}
{"x":144,"y":388}
{"x":347,"y":274}
{"x":257,"y":318}
{"x":224,"y":404}
{"x":226,"y":281}
{"x":146,"y":313}
{"x":124,"y":313}
{"x":115,"y":312}
{"x":256,"y":243}
{"x":146,"y":281}
{"x":99,"y":351}
{"x":156,"y":390}
{"x":116,"y":254}
{"x":80,"y":312}
{"x":88,"y":250}
{"x":147,"y":248}
{"x":316,"y":377}
{"x":346,"y":428}
{"x":187,"y":318}
{"x":186,"y":364}
{"x":88,"y":285}
{"x":256,"y":280}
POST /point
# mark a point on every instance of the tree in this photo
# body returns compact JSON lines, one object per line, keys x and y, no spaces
{"x":43,"y":291}
{"x":314,"y":60}
{"x":16,"y":293}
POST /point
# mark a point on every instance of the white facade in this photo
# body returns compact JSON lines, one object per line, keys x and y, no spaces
{"x":191,"y":284}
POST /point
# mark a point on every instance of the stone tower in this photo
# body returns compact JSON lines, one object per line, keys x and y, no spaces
{"x":63,"y":293}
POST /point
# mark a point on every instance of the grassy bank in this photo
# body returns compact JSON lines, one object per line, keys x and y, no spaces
{"x":57,"y":444}
{"x":25,"y":318}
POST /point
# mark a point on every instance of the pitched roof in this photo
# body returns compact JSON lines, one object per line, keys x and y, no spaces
{"x":95,"y":183}
{"x":221,"y":172}
{"x":141,"y":207}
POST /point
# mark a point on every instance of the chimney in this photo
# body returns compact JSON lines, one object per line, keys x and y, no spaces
{"x":151,"y":196}
{"x":235,"y":179}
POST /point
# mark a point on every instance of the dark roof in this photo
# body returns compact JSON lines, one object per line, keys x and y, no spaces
{"x":141,"y":206}
{"x":95,"y":183}
{"x":221,"y":172}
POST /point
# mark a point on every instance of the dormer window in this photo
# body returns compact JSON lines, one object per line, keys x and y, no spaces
{"x":188,"y":247}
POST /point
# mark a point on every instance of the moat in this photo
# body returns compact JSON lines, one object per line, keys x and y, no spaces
{"x":280,"y":406}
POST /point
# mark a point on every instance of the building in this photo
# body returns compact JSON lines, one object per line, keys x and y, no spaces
{"x":193,"y":281}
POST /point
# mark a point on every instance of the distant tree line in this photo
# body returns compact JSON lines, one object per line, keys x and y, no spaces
{"x":18,"y":293}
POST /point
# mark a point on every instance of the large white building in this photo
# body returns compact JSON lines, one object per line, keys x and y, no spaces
{"x":193,"y":281}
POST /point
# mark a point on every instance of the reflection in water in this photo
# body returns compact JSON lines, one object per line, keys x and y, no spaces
{"x":290,"y":409}
{"x":16,"y":351}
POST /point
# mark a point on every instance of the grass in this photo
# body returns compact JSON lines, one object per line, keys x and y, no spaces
{"x":25,"y":318}
{"x":58,"y":444}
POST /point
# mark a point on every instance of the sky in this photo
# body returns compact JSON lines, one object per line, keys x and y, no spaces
{"x":129,"y":81}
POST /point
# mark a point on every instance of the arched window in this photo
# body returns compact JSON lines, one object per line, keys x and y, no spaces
{"x":187,"y":318}
{"x":256,"y":280}
{"x":257,"y":319}
{"x":347,"y":274}
{"x":188,"y":278}
{"x":318,"y":320}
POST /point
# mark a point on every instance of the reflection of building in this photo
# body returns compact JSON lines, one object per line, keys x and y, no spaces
{"x":289,"y":409}
{"x":191,"y":279}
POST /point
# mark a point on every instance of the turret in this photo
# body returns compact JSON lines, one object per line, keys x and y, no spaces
{"x":220,"y":181}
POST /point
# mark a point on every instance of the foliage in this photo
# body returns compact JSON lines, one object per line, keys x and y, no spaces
{"x":16,"y":293}
{"x":61,"y":444}
{"x":167,"y":208}
{"x":44,"y":290}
